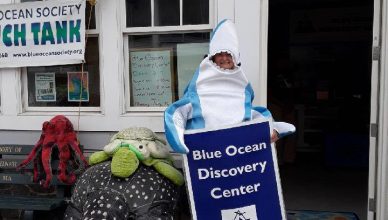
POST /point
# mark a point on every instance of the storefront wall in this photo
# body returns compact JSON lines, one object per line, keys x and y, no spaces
{"x":112,"y":109}
{"x":21,"y":119}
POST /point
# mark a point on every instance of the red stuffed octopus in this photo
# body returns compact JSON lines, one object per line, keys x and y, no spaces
{"x":59,"y":133}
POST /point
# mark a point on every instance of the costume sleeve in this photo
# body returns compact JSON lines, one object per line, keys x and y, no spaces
{"x":175,"y":118}
{"x":282,"y":128}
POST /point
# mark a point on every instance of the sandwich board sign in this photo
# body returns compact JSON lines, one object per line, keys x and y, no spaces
{"x":232,"y":173}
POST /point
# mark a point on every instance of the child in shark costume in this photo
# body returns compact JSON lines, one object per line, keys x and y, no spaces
{"x":219,"y":94}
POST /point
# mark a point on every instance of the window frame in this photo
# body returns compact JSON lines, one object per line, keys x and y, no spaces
{"x":130,"y":31}
{"x":1,"y":94}
{"x":27,"y":110}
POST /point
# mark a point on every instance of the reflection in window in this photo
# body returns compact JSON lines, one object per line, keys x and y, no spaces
{"x":64,"y":85}
{"x":195,"y":12}
{"x":166,"y":12}
{"x":138,"y":13}
{"x":161,"y":65}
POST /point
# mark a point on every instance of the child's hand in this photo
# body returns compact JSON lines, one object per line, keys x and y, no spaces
{"x":274,"y":136}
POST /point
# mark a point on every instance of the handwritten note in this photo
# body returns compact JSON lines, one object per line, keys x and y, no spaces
{"x":151,"y":76}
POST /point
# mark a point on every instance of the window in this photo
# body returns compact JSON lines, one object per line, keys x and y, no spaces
{"x":166,"y":12}
{"x":157,"y":73}
{"x":191,"y":10}
{"x":146,"y":13}
{"x":59,"y":85}
{"x":66,"y":85}
{"x":138,"y":13}
{"x":165,"y":40}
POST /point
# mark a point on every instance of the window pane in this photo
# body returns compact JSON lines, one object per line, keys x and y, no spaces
{"x":195,"y":12}
{"x":160,"y":66}
{"x":138,"y":13}
{"x":61,"y":85}
{"x":166,"y":12}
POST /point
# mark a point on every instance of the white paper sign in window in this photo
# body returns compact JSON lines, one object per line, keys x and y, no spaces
{"x":45,"y":90}
{"x":151,"y":77}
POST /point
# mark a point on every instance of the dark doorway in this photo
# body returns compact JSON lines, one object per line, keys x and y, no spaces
{"x":319,"y":72}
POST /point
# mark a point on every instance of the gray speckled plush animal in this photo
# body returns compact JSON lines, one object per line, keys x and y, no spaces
{"x":145,"y":195}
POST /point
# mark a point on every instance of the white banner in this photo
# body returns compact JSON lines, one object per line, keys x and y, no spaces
{"x":42,"y":33}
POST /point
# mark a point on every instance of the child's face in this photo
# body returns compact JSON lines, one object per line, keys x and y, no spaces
{"x":224,"y":60}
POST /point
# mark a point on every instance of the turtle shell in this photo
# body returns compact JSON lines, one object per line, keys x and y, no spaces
{"x":137,"y":133}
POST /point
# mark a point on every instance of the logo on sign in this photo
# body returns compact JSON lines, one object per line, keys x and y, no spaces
{"x":242,"y":213}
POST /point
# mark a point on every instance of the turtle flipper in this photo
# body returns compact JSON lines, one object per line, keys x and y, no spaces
{"x":169,"y":172}
{"x":98,"y":157}
{"x":124,"y":163}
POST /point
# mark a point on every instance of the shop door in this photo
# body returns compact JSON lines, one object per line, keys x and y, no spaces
{"x":378,"y":166}
{"x":319,"y":78}
{"x":373,"y":143}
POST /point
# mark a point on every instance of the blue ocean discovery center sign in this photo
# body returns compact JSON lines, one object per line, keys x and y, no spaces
{"x":232,"y":174}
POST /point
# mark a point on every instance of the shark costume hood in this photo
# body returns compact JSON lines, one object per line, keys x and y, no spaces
{"x":215,"y":96}
{"x":224,"y":39}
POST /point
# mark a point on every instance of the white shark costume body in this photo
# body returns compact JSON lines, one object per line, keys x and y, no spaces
{"x":216,"y":97}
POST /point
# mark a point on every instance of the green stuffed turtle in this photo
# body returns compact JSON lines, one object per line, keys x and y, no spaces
{"x":129,"y":147}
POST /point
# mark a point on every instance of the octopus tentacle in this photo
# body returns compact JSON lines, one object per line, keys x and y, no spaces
{"x":34,"y":152}
{"x":64,"y":157}
{"x":78,"y":156}
{"x":46,"y":161}
{"x":37,"y":164}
